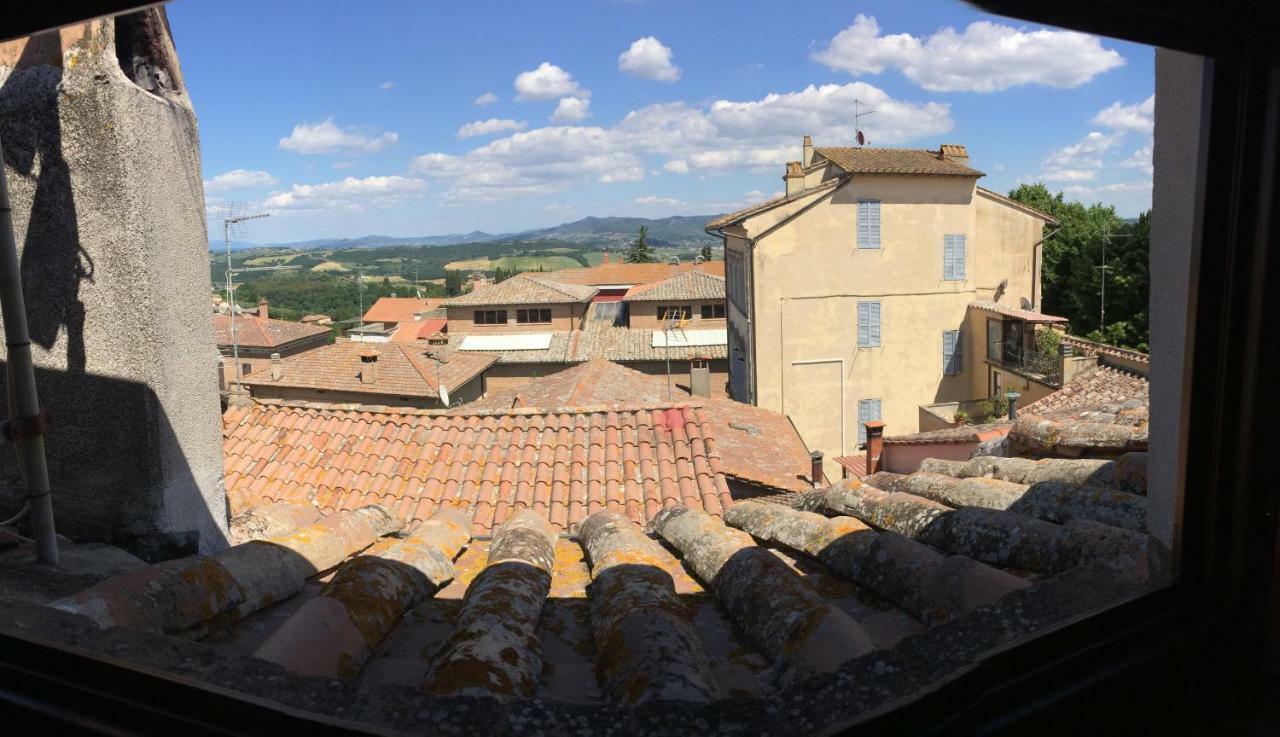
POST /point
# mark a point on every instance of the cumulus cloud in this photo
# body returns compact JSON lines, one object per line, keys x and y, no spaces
{"x":487,"y":98}
{"x":1084,"y":154}
{"x":237,"y":179}
{"x":724,"y":135}
{"x":648,"y":58}
{"x":327,"y":137}
{"x":347,"y":194}
{"x":386,"y":85}
{"x":490,"y":127}
{"x":655,"y":201}
{"x":571,"y":108}
{"x":985,"y":57}
{"x":547,"y":82}
{"x":1140,"y":159}
{"x":1140,"y":116}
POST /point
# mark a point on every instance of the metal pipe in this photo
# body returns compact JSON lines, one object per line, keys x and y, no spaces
{"x":22,"y":384}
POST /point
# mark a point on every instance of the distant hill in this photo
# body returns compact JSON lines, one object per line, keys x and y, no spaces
{"x":612,"y":232}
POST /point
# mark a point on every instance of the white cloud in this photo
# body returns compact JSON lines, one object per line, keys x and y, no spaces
{"x":347,"y":194}
{"x":328,"y":137}
{"x":648,"y":58}
{"x":1140,"y":116}
{"x":572,"y":108}
{"x":547,"y":82}
{"x":725,"y":135}
{"x":1069,"y":175}
{"x":1085,"y":154}
{"x":491,"y":126}
{"x":655,"y":201}
{"x":985,"y":57}
{"x":386,"y":85}
{"x":343,"y":164}
{"x":238,"y":178}
{"x":1140,"y":159}
{"x":487,"y":98}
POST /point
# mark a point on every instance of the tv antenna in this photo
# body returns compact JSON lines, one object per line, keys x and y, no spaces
{"x":858,"y":113}
{"x":232,"y":220}
{"x":1103,"y":268}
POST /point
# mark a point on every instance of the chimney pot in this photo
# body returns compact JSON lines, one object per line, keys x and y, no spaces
{"x":1013,"y":397}
{"x":263,"y":308}
{"x":875,"y":445}
{"x":277,"y":370}
{"x":807,"y":149}
{"x":794,"y":178}
{"x":815,"y":468}
{"x":368,"y":367}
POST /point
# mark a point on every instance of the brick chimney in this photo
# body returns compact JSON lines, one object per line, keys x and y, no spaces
{"x":806,"y":157}
{"x":700,"y":377}
{"x":875,"y":445}
{"x":815,"y":468}
{"x":954,"y":153}
{"x":368,"y":366}
{"x":264,"y":308}
{"x":794,"y":178}
{"x":277,"y":370}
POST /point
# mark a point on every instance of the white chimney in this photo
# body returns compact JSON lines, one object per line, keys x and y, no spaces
{"x":277,"y":370}
{"x":794,"y":178}
{"x":806,"y":157}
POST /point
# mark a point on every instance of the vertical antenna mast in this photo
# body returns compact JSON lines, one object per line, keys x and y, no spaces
{"x":858,"y":113}
{"x":227,"y":222}
{"x":1102,"y":270}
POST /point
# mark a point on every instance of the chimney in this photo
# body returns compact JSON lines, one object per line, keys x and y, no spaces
{"x":954,"y":153}
{"x":875,"y":445}
{"x":368,"y":366}
{"x":815,"y":468}
{"x":699,"y":377}
{"x":263,"y":308}
{"x":794,"y":178}
{"x":806,"y":157}
{"x":277,"y":371}
{"x":1013,"y":398}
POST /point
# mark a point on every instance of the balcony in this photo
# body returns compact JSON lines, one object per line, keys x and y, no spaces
{"x":1043,"y":367}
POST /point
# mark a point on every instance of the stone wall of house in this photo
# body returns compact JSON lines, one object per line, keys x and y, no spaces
{"x":102,"y":157}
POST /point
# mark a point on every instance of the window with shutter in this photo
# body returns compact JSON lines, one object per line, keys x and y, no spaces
{"x":951,"y":352}
{"x":868,"y":223}
{"x":868,"y":324}
{"x":953,"y":257}
{"x":868,"y":410}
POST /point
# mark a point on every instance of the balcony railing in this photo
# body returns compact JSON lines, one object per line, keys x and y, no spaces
{"x":1046,"y":367}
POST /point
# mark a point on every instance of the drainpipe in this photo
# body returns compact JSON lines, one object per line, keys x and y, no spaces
{"x":26,"y":428}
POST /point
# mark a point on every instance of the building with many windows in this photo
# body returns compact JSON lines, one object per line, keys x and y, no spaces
{"x":849,"y":296}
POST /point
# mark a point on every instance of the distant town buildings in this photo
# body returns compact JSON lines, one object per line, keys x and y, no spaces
{"x":256,"y":338}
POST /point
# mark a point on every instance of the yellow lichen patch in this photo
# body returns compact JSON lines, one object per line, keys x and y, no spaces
{"x":569,"y":572}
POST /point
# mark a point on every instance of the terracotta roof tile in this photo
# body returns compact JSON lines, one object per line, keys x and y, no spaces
{"x":623,"y":274}
{"x":687,"y":285}
{"x":524,"y":289}
{"x":875,"y":160}
{"x":400,"y":309}
{"x":1015,"y":312}
{"x":257,"y":332}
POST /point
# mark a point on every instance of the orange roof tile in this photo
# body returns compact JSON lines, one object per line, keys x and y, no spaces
{"x":258,"y":332}
{"x":631,"y":274}
{"x":400,"y":309}
{"x":469,"y":452}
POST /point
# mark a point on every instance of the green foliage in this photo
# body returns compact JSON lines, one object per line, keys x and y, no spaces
{"x":453,"y":283}
{"x":1071,"y":281}
{"x":706,"y":252}
{"x":960,"y":417}
{"x":641,"y":252}
{"x":1047,"y":341}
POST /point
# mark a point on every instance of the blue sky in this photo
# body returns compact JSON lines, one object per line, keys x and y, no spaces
{"x":431,"y":117}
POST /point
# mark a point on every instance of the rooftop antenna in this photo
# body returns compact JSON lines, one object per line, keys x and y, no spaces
{"x":1103,"y":268}
{"x":858,"y":113}
{"x":232,"y":218}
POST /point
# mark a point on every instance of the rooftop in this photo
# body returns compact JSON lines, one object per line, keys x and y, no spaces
{"x":258,"y":332}
{"x":875,"y":160}
{"x":411,"y":331}
{"x":963,"y":434}
{"x":402,"y":369}
{"x":746,"y":212}
{"x":1015,"y":312}
{"x":400,"y":309}
{"x":624,"y":274}
{"x":1103,"y":411}
{"x":628,"y":344}
{"x":524,"y":289}
{"x":693,"y":285}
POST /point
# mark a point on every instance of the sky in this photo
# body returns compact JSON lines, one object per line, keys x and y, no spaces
{"x":426,"y":118}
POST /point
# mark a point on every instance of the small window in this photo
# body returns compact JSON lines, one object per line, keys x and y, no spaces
{"x":675,"y":312}
{"x":953,"y":257}
{"x":711,"y":312}
{"x":868,"y":324}
{"x":868,"y":223}
{"x":530,"y":317}
{"x":952,"y":354}
{"x":491,"y":317}
{"x":868,"y":410}
{"x":246,"y":368}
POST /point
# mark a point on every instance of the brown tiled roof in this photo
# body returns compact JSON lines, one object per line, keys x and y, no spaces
{"x":402,"y":369}
{"x":411,"y":331}
{"x":1089,"y":347}
{"x":1103,"y":411}
{"x":1019,"y":206}
{"x":1015,"y":312}
{"x":689,"y":285}
{"x":873,"y":160}
{"x":400,"y":309}
{"x":756,"y":445}
{"x":962,"y":434}
{"x":1102,"y":385}
{"x":629,"y":344}
{"x":624,"y":273}
{"x":524,"y":289}
{"x":561,"y":350}
{"x":746,"y":212}
{"x":562,"y":464}
{"x":856,"y":465}
{"x":256,"y":332}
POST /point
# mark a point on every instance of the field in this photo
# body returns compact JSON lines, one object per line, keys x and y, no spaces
{"x":515,"y":263}
{"x":329,"y":266}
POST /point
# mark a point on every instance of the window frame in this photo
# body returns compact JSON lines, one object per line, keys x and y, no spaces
{"x":870,"y":209}
{"x":953,"y":366}
{"x":686,"y":312}
{"x":870,"y":402}
{"x":954,"y":268}
{"x":874,"y":331}
{"x":476,"y":318}
{"x":712,"y":309}
{"x":523,"y":313}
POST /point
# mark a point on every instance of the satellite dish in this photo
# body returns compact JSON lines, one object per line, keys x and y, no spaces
{"x":862,"y":141}
{"x":444,"y":395}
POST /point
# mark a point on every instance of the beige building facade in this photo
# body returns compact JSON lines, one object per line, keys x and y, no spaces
{"x":847,"y":296}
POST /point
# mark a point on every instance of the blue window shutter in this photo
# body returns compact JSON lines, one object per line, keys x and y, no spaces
{"x":948,"y":259}
{"x":875,"y":223}
{"x":959,"y":353}
{"x":864,"y":324}
{"x":864,"y":412}
{"x":864,"y":223}
{"x":957,"y":256}
{"x":948,"y":352}
{"x":874,"y":323}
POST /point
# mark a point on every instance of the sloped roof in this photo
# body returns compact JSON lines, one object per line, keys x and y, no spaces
{"x":565,"y":464}
{"x":694,"y":285}
{"x":1010,"y":202}
{"x":962,"y":434}
{"x":524,"y":289}
{"x":1091,"y":347}
{"x":1015,"y":312}
{"x":402,"y":370}
{"x":746,"y":212}
{"x":410,"y":331}
{"x":631,"y":274}
{"x":756,"y":445}
{"x":629,"y":344}
{"x":875,"y":160}
{"x":1102,"y":411}
{"x":257,"y":332}
{"x":400,"y":309}
{"x":562,"y":349}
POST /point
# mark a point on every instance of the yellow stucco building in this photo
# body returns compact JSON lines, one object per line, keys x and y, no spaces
{"x":849,"y":298}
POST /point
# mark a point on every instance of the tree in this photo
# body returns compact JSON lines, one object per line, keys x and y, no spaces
{"x":640,"y":251}
{"x":706,"y":252}
{"x":453,"y":282}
